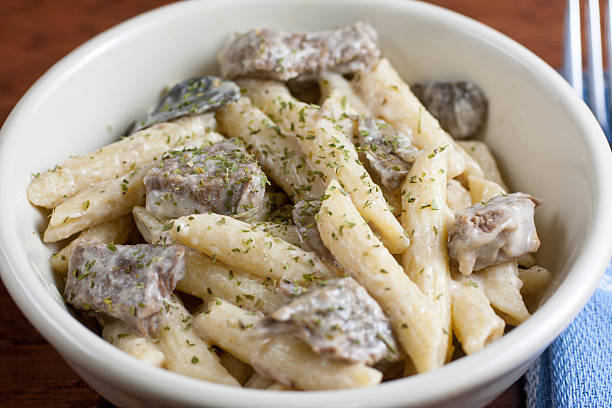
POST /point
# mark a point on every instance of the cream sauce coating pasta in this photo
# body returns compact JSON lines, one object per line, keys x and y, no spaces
{"x":357,"y":253}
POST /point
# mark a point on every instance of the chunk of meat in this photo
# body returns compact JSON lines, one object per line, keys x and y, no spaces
{"x":266,"y":53}
{"x":192,"y":96}
{"x":128,"y":282}
{"x":222,"y":178}
{"x":461,"y":107}
{"x":304,"y":217}
{"x":389,"y":152}
{"x":494,"y":232}
{"x":338,"y":320}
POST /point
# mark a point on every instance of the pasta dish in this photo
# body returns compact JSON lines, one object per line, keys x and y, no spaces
{"x":304,"y":221}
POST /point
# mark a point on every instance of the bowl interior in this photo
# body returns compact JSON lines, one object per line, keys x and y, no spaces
{"x":90,"y":98}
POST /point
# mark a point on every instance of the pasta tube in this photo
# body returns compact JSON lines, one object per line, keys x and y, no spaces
{"x":423,"y":216}
{"x":474,"y":322}
{"x":283,"y":358}
{"x":112,"y":232}
{"x":482,"y":190}
{"x":286,"y":232}
{"x":415,"y":323}
{"x":78,"y":173}
{"x":238,"y":245}
{"x":152,"y":230}
{"x":502,"y":286}
{"x":186,"y":353}
{"x":334,"y":85}
{"x":207,"y":279}
{"x":535,"y":281}
{"x":121,"y":336}
{"x":106,"y":200}
{"x":103,"y":202}
{"x":260,"y":382}
{"x":279,"y":155}
{"x":483,"y":156}
{"x":330,"y":152}
{"x":390,"y":98}
{"x":330,"y":82}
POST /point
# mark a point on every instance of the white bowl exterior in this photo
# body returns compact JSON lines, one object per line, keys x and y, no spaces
{"x":547,"y":142}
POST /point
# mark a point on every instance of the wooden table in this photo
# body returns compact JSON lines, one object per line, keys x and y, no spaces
{"x":34,"y":34}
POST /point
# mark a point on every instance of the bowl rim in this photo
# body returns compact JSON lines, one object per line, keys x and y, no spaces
{"x":90,"y":352}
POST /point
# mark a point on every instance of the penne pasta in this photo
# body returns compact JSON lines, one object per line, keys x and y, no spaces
{"x":278,"y":154}
{"x":208,"y":279}
{"x":286,"y":232}
{"x":526,"y":261}
{"x":238,"y":245}
{"x":280,"y":387}
{"x":536,"y":280}
{"x":106,"y":201}
{"x":152,"y":229}
{"x":144,"y":349}
{"x":79,"y":173}
{"x":112,"y":232}
{"x":390,"y":98}
{"x":155,"y":231}
{"x":186,"y":353}
{"x":423,"y":216}
{"x":260,"y":382}
{"x":282,"y":358}
{"x":482,"y":190}
{"x":330,"y":82}
{"x":260,"y":232}
{"x":100,"y":203}
{"x":483,"y":156}
{"x":337,"y":87}
{"x":415,"y":323}
{"x":474,"y":322}
{"x":502,"y":286}
{"x":330,"y":152}
{"x":457,"y":197}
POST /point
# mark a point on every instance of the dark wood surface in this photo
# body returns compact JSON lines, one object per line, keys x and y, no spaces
{"x":34,"y":34}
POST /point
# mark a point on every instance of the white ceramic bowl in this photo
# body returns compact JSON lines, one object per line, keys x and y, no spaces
{"x":547,"y":142}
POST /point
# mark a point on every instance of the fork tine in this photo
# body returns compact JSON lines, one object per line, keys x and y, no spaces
{"x":595,"y":78}
{"x":572,"y":47}
{"x":609,"y":33}
{"x":609,"y":47}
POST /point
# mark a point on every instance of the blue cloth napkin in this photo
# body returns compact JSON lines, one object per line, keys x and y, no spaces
{"x":576,"y":369}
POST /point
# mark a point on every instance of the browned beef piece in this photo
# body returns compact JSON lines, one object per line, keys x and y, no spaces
{"x":304,"y":217}
{"x":389,"y":152}
{"x":494,"y":232}
{"x":461,"y":107}
{"x":222,"y":178}
{"x":128,"y":282}
{"x":338,"y":320}
{"x":275,"y":54}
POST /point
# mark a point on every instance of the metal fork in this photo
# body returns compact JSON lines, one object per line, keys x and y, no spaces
{"x":572,"y":58}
